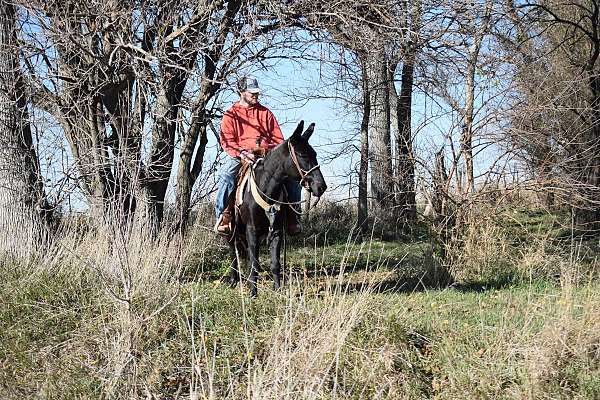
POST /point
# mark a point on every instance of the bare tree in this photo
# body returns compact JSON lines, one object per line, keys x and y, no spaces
{"x":24,"y":210}
{"x":477,"y":26}
{"x":404,"y":173}
{"x":380,"y":146}
{"x":363,"y":211}
{"x":450,"y":75}
{"x":557,"y":124}
{"x":133,"y":82}
{"x":374,"y":32}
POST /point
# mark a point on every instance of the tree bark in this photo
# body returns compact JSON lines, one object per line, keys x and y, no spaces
{"x":24,"y":211}
{"x":307,"y":205}
{"x":382,"y":188}
{"x":466,"y":142}
{"x":189,"y":168}
{"x":587,"y":216}
{"x":440,"y":184}
{"x":363,"y":211}
{"x":405,"y":167}
{"x":187,"y":174}
{"x":479,"y":28}
{"x":78,"y":104}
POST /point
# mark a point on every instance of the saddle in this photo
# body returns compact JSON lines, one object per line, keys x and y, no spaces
{"x":243,"y":178}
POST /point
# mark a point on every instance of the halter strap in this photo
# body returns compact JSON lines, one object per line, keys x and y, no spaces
{"x":303,"y":173}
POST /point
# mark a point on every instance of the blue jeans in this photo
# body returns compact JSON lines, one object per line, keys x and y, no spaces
{"x":227,"y":181}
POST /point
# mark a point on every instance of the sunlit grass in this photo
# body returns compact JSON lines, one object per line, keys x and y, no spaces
{"x":355,"y":319}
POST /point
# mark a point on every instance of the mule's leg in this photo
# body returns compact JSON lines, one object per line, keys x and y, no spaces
{"x":253,"y":242}
{"x":234,"y":272}
{"x":275,"y":248}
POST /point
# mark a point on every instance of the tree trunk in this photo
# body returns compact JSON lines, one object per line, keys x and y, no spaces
{"x":363,"y":172}
{"x":188,"y":172}
{"x":84,"y":130}
{"x":466,"y":143}
{"x":189,"y":169}
{"x":79,"y":107}
{"x":480,"y":28}
{"x":440,"y":181}
{"x":24,"y":212}
{"x":382,"y":188}
{"x":162,"y":154}
{"x":405,"y":168}
{"x":126,"y":106}
{"x":587,"y":216}
{"x":307,"y":205}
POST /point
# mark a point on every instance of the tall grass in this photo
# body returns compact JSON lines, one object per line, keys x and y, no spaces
{"x":116,"y":312}
{"x":123,"y":278}
{"x":120,"y":291}
{"x":305,"y":348}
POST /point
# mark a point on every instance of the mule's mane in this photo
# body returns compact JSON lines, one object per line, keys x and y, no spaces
{"x":275,"y":158}
{"x":275,"y":151}
{"x":267,"y":159}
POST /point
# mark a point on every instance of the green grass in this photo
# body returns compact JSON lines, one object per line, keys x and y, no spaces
{"x":354,"y":320}
{"x":41,"y":314}
{"x":443,"y":344}
{"x":522,"y":223}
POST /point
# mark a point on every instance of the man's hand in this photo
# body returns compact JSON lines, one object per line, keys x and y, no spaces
{"x":247,"y":156}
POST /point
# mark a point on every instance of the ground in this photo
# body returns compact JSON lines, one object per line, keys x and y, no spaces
{"x":357,"y":318}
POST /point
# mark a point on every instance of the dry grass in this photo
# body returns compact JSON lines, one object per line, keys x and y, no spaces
{"x":481,"y":248}
{"x":564,"y":358}
{"x":305,"y":349}
{"x":132,"y":278}
{"x":104,"y":314}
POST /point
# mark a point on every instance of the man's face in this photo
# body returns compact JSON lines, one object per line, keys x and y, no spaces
{"x":250,"y":98}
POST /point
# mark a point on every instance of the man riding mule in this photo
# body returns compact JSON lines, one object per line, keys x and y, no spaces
{"x":259,"y":208}
{"x":244,"y":125}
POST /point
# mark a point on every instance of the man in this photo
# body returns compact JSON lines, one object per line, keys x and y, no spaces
{"x":244,"y":123}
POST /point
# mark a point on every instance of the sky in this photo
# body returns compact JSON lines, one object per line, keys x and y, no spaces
{"x":310,"y":91}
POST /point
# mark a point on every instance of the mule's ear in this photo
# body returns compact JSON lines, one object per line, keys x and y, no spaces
{"x":309,"y":131}
{"x":298,"y":132}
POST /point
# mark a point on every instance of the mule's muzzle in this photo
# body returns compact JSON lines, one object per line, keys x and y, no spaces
{"x":318,"y":188}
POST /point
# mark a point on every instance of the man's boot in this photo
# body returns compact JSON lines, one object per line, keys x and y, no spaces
{"x":223,"y":226}
{"x":293,"y":222}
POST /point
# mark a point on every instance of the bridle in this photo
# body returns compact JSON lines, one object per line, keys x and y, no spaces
{"x":303,"y":173}
{"x":260,"y":197}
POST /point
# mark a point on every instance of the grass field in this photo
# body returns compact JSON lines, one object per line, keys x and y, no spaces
{"x":357,"y":318}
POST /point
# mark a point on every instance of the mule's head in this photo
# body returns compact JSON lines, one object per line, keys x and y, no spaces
{"x":304,"y":160}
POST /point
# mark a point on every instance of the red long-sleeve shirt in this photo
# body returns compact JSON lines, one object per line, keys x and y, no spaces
{"x":241,"y":126}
